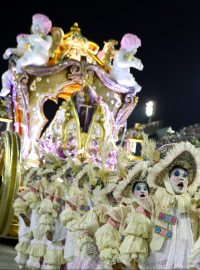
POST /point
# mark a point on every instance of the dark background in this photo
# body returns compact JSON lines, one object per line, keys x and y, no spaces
{"x":170,"y":51}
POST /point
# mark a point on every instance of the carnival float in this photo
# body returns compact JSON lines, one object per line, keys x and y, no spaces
{"x":71,"y":192}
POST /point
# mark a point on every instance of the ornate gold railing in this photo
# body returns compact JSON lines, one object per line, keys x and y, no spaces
{"x":10,"y":179}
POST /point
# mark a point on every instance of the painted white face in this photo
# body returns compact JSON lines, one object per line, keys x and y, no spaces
{"x":140,"y":190}
{"x":179,"y":180}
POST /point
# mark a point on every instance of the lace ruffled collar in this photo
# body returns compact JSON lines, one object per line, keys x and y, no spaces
{"x":181,"y":202}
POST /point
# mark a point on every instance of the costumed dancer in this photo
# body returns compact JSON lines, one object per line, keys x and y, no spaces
{"x":87,"y":252}
{"x":108,"y":239}
{"x":88,"y":225}
{"x":133,"y":193}
{"x":175,"y":177}
{"x":22,"y":212}
{"x":56,"y":233}
{"x":69,"y":217}
{"x":33,"y":200}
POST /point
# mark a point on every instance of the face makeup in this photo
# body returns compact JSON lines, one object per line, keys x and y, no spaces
{"x":140,"y":190}
{"x":179,"y":180}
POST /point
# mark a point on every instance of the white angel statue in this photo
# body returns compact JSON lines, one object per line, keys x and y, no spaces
{"x":33,"y":49}
{"x":124,"y":59}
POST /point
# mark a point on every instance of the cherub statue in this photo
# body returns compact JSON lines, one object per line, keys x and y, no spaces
{"x":124,"y":59}
{"x":33,"y":49}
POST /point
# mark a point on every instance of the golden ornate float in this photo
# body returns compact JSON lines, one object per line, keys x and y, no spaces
{"x":75,"y":65}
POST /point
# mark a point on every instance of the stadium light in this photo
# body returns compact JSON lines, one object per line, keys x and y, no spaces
{"x":150,"y":110}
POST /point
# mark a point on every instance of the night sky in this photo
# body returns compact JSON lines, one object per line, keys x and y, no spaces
{"x":170,"y":51}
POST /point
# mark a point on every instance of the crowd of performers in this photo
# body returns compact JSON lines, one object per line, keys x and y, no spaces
{"x":139,"y":215}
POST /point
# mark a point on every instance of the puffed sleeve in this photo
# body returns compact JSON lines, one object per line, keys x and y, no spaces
{"x":100,"y":211}
{"x":46,"y":220}
{"x":89,"y":221}
{"x":69,"y":218}
{"x":88,"y":224}
{"x":19,"y":207}
{"x":108,"y":240}
{"x":32,"y":199}
{"x":136,"y":241}
{"x":46,"y":206}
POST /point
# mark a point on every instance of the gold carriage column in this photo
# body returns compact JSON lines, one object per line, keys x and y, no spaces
{"x":133,"y":145}
{"x":10,"y":178}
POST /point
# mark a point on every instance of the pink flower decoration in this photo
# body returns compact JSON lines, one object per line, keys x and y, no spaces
{"x":162,"y":216}
{"x":130,"y":42}
{"x":163,"y":231}
{"x":173,"y":220}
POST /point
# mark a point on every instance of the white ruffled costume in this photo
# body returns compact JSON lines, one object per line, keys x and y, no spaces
{"x":24,"y":232}
{"x":172,"y":253}
{"x":135,"y":245}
